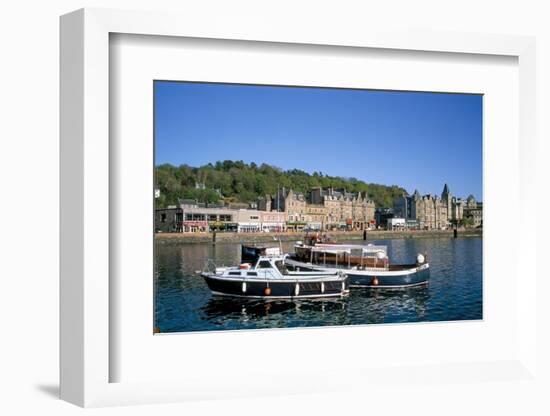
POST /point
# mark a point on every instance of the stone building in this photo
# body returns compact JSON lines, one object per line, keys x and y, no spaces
{"x":295,"y":205}
{"x":321,"y":209}
{"x":474,"y":211}
{"x":455,"y":206}
{"x":363,"y":212}
{"x":344,"y":209}
{"x":315,"y":216}
{"x":334,"y":212}
{"x":431,"y":212}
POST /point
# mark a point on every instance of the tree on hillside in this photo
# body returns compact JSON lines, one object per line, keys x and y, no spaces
{"x":241,"y":182}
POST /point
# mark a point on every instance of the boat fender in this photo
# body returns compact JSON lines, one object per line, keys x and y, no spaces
{"x":374,"y":281}
{"x":267,"y":291}
{"x":322,"y":287}
{"x":343,"y":286}
{"x":380,"y":255}
{"x":297,"y":289}
{"x":244,"y":287}
{"x":420,"y":259}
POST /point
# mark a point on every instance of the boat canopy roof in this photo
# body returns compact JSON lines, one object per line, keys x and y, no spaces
{"x":330,"y":250}
{"x":271,"y":259}
{"x":347,"y":248}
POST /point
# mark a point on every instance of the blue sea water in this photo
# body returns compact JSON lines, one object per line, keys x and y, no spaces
{"x":184,"y":303}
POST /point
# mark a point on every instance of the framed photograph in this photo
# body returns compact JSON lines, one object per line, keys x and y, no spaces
{"x":324,"y":211}
{"x":307,"y":242}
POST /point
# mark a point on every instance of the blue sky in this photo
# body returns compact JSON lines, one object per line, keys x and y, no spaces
{"x":413,"y":139}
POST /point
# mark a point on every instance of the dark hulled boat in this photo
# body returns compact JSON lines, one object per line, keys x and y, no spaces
{"x":270,"y":278}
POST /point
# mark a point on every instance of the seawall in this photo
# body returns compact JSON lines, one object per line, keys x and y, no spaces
{"x":194,"y":238}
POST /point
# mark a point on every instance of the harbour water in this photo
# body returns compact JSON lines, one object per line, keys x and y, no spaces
{"x":184,"y":303}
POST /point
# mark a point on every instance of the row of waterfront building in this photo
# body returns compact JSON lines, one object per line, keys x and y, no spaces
{"x":438,"y":212}
{"x":321,"y":209}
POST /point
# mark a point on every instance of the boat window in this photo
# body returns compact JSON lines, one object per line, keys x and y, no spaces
{"x":264,"y":264}
{"x":252,"y":274}
{"x":281,"y":266}
{"x":234,"y":273}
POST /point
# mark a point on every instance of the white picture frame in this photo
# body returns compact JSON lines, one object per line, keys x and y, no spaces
{"x":86,"y":166}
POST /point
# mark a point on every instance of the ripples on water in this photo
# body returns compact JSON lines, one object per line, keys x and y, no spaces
{"x":183,"y":302}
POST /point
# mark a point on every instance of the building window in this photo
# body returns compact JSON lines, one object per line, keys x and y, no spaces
{"x":194,"y":217}
{"x":225,"y":218}
{"x":212,"y":217}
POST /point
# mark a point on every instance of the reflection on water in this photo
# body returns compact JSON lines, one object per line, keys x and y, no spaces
{"x":184,"y":303}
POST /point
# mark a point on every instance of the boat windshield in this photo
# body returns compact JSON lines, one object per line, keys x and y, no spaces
{"x":281,"y":266}
{"x":264,"y":264}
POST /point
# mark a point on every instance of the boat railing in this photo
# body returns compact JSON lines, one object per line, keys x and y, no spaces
{"x":209,"y":266}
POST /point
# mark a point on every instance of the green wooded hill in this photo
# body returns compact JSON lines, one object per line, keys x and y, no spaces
{"x":236,"y":181}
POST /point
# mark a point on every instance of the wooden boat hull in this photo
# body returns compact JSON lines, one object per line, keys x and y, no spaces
{"x":396,"y":277}
{"x":276,"y":289}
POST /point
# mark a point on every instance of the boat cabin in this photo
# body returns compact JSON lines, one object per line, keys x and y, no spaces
{"x":272,"y":263}
{"x":350,"y":256}
{"x":266,"y":266}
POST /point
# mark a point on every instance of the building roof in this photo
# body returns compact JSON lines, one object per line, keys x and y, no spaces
{"x":339,"y":193}
{"x":182,"y":201}
{"x":238,"y":205}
